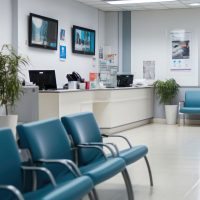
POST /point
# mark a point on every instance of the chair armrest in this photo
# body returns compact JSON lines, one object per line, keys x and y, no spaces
{"x":115,"y":147}
{"x":119,"y":136}
{"x":12,"y":190}
{"x":42,"y":169}
{"x":114,"y":154}
{"x":70,"y":165}
{"x":93,"y":147}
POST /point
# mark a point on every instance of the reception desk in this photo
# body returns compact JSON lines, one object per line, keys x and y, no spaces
{"x":115,"y":109}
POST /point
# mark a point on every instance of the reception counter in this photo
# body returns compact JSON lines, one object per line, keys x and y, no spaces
{"x":115,"y":109}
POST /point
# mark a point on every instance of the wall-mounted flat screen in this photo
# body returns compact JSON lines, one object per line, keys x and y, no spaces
{"x":43,"y":32}
{"x":83,"y":40}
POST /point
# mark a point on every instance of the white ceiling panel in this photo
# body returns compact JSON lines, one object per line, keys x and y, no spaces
{"x":102,"y":5}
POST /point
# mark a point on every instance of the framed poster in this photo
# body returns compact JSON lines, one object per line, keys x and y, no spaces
{"x":149,"y":70}
{"x":62,"y":34}
{"x":180,"y":54}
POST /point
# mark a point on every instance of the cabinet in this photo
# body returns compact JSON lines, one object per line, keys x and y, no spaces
{"x":27,"y":106}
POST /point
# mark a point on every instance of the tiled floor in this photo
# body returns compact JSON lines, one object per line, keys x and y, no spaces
{"x":174,"y":155}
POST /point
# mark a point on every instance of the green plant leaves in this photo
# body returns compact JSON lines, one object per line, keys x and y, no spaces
{"x":10,"y":69}
{"x":166,"y":90}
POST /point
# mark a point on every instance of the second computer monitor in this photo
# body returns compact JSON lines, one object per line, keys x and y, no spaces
{"x":125,"y":80}
{"x":44,"y":79}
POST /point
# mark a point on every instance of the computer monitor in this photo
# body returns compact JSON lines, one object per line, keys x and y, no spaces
{"x":44,"y":79}
{"x":125,"y":80}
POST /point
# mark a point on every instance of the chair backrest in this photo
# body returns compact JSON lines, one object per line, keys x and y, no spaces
{"x":10,"y":164}
{"x":83,"y":128}
{"x":192,"y":99}
{"x":45,"y":140}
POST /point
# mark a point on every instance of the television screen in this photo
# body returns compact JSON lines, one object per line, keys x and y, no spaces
{"x":43,"y":32}
{"x":83,"y":40}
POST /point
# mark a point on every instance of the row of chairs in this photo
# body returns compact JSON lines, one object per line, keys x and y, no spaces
{"x":68,"y":156}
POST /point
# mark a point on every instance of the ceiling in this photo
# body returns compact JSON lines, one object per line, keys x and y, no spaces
{"x":100,"y":4}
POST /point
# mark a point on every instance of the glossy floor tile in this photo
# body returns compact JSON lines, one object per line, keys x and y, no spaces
{"x":174,"y":156}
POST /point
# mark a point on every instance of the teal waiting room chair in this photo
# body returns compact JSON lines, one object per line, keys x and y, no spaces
{"x":49,"y":146}
{"x":11,"y":176}
{"x":191,"y":105}
{"x":84,"y":130}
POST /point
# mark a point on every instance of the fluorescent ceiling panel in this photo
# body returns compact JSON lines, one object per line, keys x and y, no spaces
{"x":135,"y":1}
{"x":194,"y":4}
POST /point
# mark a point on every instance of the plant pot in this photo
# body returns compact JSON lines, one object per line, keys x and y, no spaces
{"x":171,"y":114}
{"x":9,"y":121}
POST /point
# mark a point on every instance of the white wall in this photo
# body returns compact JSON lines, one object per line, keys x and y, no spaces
{"x":5,"y":22}
{"x":150,"y":41}
{"x":112,"y":32}
{"x":101,"y":28}
{"x":69,"y":13}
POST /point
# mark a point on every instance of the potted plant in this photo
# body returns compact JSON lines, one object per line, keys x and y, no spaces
{"x":10,"y":83}
{"x":166,"y":91}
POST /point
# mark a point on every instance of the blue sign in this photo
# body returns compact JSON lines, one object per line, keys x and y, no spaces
{"x":63,"y":52}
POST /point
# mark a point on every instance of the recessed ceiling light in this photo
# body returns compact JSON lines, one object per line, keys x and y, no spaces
{"x":194,"y":4}
{"x":134,"y":1}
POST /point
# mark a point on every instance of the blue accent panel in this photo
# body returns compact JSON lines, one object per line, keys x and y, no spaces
{"x":126,"y":40}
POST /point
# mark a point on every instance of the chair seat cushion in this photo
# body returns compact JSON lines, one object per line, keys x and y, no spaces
{"x":133,"y":154}
{"x":73,"y":190}
{"x":102,"y":170}
{"x":190,"y":110}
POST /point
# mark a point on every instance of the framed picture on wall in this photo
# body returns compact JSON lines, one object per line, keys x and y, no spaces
{"x":180,"y":41}
{"x":83,"y":40}
{"x":43,"y":32}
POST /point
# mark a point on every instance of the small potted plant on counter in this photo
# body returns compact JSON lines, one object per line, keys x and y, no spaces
{"x":166,"y":92}
{"x":10,"y":83}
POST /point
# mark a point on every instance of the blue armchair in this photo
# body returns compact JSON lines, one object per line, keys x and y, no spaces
{"x":49,"y":145}
{"x":84,"y":130}
{"x":11,"y":185}
{"x":191,"y":105}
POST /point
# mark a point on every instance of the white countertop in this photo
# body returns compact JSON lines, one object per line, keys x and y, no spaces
{"x":99,"y":89}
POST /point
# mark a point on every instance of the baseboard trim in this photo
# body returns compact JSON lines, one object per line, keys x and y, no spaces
{"x":125,"y":127}
{"x":190,"y":122}
{"x":187,"y":121}
{"x":159,"y":120}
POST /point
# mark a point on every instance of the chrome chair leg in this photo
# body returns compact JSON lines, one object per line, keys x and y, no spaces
{"x":179,"y":119}
{"x":95,"y":195}
{"x":149,"y":170}
{"x":91,"y":197}
{"x":128,"y":184}
{"x":184,"y":119}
